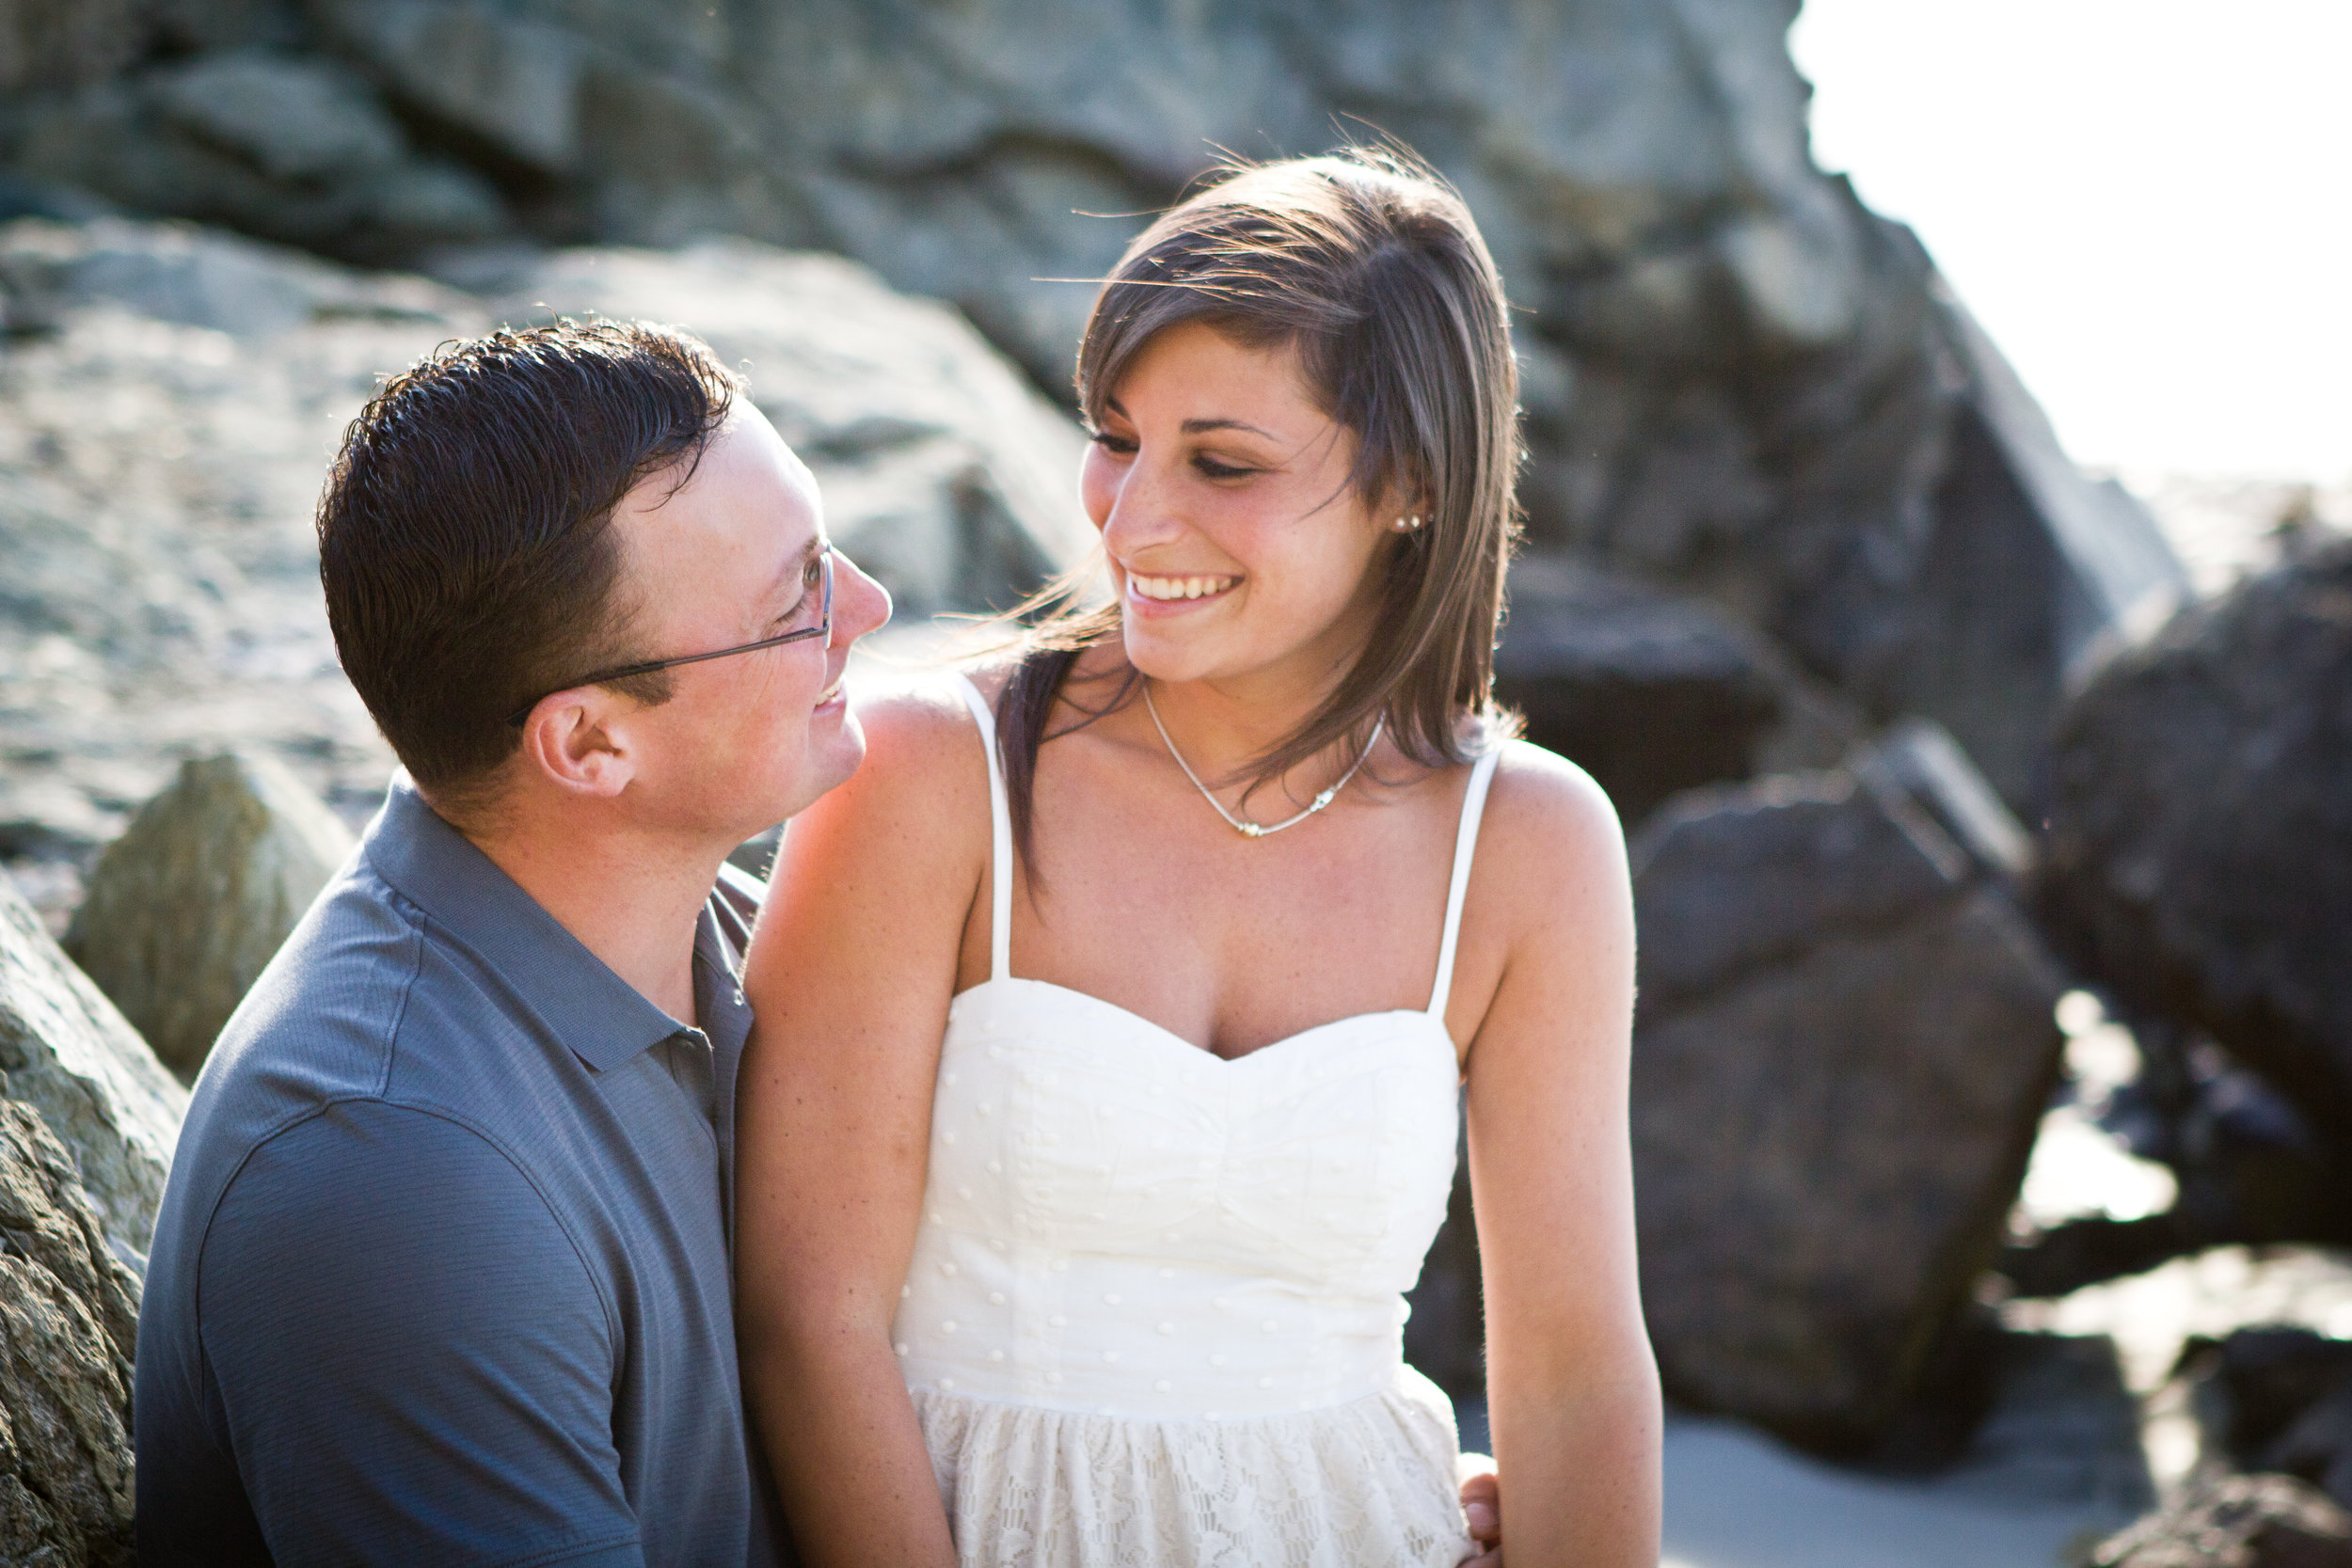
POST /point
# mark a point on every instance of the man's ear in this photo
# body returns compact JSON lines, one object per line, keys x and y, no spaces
{"x":574,"y":740}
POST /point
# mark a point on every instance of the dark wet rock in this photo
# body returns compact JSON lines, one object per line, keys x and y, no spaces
{"x":68,"y":1324}
{"x":1445,"y":1336}
{"x":2281,"y":1397}
{"x":2199,"y":853}
{"x":187,"y":906}
{"x":2247,"y":1169}
{"x":1652,"y":692}
{"x":2090,"y":1250}
{"x":2028,"y":1417}
{"x":1844,"y":1046}
{"x":2261,"y":1521}
{"x":2062,"y":1425}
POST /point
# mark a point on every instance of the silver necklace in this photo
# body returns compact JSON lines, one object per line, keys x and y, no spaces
{"x":1258,"y":830}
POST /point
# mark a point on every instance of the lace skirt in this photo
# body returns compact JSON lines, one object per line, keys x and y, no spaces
{"x":1366,"y":1484}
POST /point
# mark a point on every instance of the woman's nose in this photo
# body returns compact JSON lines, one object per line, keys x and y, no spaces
{"x":1141,"y":511}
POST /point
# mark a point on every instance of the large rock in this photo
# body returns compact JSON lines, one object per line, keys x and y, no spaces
{"x":291,"y":147}
{"x":2030,"y":571}
{"x":185,"y":907}
{"x":2198,"y":854}
{"x":69,"y":1323}
{"x":1652,"y":692}
{"x":2237,"y":1522}
{"x":69,"y":1054}
{"x":946,"y":474}
{"x":168,"y":403}
{"x":2282,"y":1398}
{"x":170,"y":398}
{"x":1738,"y":380}
{"x":54,"y":42}
{"x":1844,"y":1045}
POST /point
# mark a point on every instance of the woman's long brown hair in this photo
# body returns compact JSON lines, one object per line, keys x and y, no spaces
{"x":1369,"y":265}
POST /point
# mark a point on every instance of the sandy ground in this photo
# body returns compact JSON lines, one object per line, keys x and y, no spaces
{"x":1737,"y":1499}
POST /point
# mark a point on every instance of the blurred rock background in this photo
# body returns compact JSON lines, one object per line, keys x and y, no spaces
{"x":1918,"y":728}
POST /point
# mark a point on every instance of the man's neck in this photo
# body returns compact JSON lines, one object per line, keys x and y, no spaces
{"x":632,"y":900}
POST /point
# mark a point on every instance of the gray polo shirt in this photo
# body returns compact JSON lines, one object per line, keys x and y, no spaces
{"x":441,"y":1274}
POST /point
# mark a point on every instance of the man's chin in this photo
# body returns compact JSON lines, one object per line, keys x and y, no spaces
{"x":830,"y":764}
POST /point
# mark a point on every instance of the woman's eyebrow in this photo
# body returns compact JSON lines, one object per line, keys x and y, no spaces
{"x":1195,"y":427}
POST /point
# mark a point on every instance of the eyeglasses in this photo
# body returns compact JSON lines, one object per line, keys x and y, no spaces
{"x":822,"y":628}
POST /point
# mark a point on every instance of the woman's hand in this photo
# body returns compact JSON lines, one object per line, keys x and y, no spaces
{"x":1482,"y":1507}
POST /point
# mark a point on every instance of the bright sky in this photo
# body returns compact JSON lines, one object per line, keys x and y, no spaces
{"x":2147,"y":202}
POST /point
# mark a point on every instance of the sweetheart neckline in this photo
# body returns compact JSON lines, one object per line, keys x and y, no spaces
{"x":1162,"y":1032}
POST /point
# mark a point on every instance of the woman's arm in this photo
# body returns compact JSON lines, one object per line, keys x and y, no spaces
{"x":849,"y":976}
{"x":1572,"y":1388}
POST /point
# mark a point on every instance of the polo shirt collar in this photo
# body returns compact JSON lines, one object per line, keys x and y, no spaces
{"x":601,"y":1016}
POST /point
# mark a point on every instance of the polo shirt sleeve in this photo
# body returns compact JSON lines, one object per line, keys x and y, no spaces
{"x":411,"y":1357}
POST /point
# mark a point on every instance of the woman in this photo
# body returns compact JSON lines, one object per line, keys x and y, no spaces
{"x":1103,"y":1101}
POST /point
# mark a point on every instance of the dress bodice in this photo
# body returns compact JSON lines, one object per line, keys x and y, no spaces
{"x":1117,"y":1221}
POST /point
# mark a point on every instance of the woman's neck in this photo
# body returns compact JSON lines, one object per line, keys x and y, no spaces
{"x":1225,"y":725}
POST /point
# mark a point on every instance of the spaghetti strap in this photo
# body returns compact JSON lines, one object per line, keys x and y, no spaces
{"x":1465,"y":847}
{"x":1000,"y":840}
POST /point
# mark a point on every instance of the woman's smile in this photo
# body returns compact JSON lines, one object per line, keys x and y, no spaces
{"x":1164,"y":595}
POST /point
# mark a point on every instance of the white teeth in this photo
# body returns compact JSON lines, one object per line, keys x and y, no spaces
{"x":1177,"y":588}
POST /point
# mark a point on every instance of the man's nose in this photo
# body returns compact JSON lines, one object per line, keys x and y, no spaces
{"x":860,"y":605}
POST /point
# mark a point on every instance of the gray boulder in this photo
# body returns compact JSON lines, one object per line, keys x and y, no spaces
{"x":187,"y":906}
{"x":49,"y":43}
{"x":289,"y":146}
{"x":1652,"y":692}
{"x":1844,"y":1045}
{"x":2199,"y":853}
{"x":2029,"y":573}
{"x":513,"y":83}
{"x":2278,"y":1399}
{"x":946,"y":474}
{"x":169,"y":399}
{"x":1738,"y":380}
{"x":2237,"y":1522}
{"x":67,"y":1053}
{"x":69,"y":1322}
{"x":167,"y":404}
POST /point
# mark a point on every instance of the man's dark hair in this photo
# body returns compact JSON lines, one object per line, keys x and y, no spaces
{"x":464,"y":535}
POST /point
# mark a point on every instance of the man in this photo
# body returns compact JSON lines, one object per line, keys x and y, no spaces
{"x":443,"y":1273}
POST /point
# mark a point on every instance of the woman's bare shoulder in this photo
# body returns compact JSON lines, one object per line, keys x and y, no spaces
{"x":1550,"y":831}
{"x":923,"y":757}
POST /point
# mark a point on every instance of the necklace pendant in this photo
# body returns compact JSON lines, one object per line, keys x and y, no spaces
{"x":1251,"y":830}
{"x":1324,"y":799}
